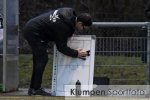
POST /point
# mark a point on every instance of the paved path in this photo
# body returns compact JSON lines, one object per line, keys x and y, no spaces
{"x":20,"y":92}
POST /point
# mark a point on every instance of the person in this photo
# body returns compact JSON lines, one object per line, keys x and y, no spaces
{"x":147,"y":10}
{"x":144,"y":47}
{"x":57,"y":26}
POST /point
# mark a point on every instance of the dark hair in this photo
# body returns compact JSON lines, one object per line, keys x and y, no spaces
{"x":85,"y":18}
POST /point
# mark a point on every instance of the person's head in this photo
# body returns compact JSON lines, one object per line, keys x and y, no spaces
{"x":83,"y":22}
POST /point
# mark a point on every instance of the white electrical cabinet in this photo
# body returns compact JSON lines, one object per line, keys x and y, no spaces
{"x":68,"y":70}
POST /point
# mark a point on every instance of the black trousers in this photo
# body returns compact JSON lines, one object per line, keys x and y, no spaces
{"x":40,"y":58}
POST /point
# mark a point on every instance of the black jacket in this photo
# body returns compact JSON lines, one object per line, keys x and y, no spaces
{"x":57,"y":25}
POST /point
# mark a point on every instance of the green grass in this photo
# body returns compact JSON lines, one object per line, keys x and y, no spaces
{"x":106,"y":68}
{"x":25,"y":65}
{"x":1,"y":87}
{"x":131,"y":69}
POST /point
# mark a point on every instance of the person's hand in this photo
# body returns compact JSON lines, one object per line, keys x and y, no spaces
{"x":81,"y":52}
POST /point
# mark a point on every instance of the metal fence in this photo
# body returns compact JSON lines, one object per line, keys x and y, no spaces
{"x":122,"y":52}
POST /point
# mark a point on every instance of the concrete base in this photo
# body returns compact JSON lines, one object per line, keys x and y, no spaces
{"x":20,"y":92}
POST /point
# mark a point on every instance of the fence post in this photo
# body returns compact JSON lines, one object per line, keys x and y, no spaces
{"x":148,"y":57}
{"x":10,"y":45}
{"x":4,"y":45}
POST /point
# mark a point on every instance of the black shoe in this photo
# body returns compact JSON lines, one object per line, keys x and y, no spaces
{"x":39,"y":91}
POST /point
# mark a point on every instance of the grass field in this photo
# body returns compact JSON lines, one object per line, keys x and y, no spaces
{"x":25,"y":65}
{"x":117,"y":69}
